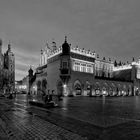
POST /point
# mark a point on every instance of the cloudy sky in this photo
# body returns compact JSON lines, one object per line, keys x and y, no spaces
{"x":110,"y":27}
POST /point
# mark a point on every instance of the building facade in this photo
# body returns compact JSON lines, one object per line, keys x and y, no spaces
{"x":71,"y":71}
{"x":7,"y":70}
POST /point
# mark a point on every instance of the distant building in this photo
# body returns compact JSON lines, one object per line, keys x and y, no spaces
{"x":7,"y":70}
{"x":22,"y":85}
{"x":71,"y":71}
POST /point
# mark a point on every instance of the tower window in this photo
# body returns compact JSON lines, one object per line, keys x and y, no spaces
{"x":65,"y":65}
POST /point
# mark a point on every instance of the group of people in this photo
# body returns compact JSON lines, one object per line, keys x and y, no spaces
{"x":48,"y":97}
{"x":12,"y":95}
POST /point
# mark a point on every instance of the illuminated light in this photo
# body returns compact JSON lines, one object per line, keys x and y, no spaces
{"x":83,"y":61}
{"x":104,"y":92}
{"x":65,"y":91}
{"x":35,"y":87}
{"x":24,"y":87}
{"x":83,"y":52}
{"x":136,"y":63}
{"x":64,"y":85}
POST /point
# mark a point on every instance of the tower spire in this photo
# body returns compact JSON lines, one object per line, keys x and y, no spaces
{"x":65,"y":39}
{"x":9,"y":46}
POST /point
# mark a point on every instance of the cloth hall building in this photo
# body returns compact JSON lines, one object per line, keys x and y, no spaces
{"x":71,"y":71}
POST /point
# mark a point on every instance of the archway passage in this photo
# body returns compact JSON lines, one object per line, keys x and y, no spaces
{"x":97,"y":89}
{"x":110,"y":93}
{"x":78,"y":89}
{"x":105,"y":89}
{"x":88,"y":88}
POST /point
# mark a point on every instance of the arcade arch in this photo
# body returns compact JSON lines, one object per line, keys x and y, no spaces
{"x":97,"y":89}
{"x":44,"y":84}
{"x":88,"y":88}
{"x":105,"y":89}
{"x":78,"y":87}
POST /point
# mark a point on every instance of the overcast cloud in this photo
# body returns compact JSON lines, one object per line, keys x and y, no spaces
{"x":110,"y":27}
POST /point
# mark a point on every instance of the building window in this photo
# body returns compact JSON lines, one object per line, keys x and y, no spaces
{"x":76,"y":66}
{"x":65,"y":65}
{"x":83,"y":67}
{"x":89,"y":69}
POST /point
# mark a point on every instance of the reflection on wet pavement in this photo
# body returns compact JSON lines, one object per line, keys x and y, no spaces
{"x":103,"y":111}
{"x":95,"y":118}
{"x":19,"y":124}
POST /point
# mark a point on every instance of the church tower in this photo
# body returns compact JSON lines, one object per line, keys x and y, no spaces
{"x":30,"y":75}
{"x":9,"y":64}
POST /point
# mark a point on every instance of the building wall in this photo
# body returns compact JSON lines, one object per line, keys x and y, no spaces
{"x":75,"y":80}
{"x":103,"y":68}
{"x":53,"y":77}
{"x":83,"y":79}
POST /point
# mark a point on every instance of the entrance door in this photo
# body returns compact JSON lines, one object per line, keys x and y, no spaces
{"x":78,"y":89}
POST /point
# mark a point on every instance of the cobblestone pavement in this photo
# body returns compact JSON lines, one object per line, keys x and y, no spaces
{"x":103,"y":112}
{"x":76,"y":118}
{"x":17,"y":124}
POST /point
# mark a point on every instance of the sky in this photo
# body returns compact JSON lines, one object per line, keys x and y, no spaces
{"x":111,"y":28}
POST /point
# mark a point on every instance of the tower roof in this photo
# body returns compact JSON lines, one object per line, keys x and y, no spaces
{"x":65,"y":47}
{"x":30,"y":70}
{"x":9,"y":46}
{"x":65,"y":44}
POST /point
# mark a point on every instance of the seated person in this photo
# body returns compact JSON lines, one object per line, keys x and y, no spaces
{"x":46,"y":99}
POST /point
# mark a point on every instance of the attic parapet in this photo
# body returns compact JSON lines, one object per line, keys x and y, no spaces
{"x":123,"y":67}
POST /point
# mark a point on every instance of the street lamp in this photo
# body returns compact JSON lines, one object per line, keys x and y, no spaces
{"x":65,"y":90}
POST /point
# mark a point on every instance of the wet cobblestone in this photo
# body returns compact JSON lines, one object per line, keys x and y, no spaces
{"x":75,"y":119}
{"x":18,"y":125}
